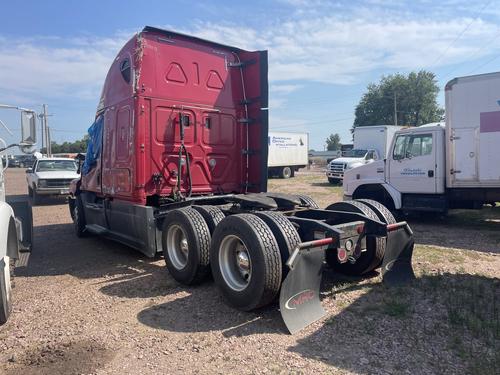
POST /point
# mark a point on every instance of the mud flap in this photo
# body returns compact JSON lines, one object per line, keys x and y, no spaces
{"x":24,"y":221}
{"x":396,"y":265}
{"x":299,"y":297}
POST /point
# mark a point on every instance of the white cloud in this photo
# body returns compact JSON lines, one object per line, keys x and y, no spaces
{"x":336,"y":49}
{"x":330,"y":42}
{"x":76,"y":67}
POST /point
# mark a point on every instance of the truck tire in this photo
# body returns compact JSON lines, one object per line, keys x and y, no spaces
{"x":246,"y":261}
{"x":79,"y":222}
{"x":286,"y":172}
{"x":71,"y":207}
{"x":6,"y":270}
{"x":382,"y":211}
{"x":212,"y":216}
{"x":186,"y":245}
{"x":307,"y":201}
{"x":383,"y":214}
{"x":369,"y":259}
{"x":285,"y":233}
{"x":34,"y":198}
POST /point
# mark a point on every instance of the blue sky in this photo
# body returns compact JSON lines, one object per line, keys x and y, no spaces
{"x":322,"y":54}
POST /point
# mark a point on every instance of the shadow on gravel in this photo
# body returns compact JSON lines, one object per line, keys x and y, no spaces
{"x":197,"y":311}
{"x":44,"y":200}
{"x":476,"y":230}
{"x":326,"y":184}
{"x":57,"y":251}
{"x":446,"y":324}
{"x":204,"y":310}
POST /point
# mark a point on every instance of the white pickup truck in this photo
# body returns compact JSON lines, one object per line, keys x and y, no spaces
{"x":50,"y":176}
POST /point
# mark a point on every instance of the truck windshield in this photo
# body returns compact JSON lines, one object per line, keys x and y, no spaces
{"x":355,"y":153}
{"x":56,"y":165}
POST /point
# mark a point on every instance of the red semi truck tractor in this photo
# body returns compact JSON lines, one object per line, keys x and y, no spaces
{"x":177,"y":163}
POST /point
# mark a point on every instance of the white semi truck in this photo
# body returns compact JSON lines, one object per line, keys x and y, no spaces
{"x":439,"y":166}
{"x":287,"y":153}
{"x":16,"y":223}
{"x":370,"y":143}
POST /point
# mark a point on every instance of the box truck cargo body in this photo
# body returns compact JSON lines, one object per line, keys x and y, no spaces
{"x":473,"y":131}
{"x":439,"y":166}
{"x":378,"y":137}
{"x":287,"y":153}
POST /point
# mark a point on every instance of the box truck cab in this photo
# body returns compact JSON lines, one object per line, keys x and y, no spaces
{"x":415,"y":164}
{"x":370,"y":144}
{"x":440,"y":166}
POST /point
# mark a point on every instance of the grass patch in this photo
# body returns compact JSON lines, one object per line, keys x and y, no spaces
{"x":472,"y":311}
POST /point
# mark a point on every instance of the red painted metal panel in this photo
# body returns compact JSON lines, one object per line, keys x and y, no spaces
{"x":172,"y":75}
{"x":489,"y":122}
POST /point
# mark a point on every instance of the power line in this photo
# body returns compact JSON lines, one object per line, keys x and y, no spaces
{"x":462,"y":32}
{"x":310,"y":123}
{"x":483,"y":64}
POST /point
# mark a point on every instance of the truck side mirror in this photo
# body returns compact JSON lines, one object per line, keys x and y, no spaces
{"x":29,"y":170}
{"x":28,"y":128}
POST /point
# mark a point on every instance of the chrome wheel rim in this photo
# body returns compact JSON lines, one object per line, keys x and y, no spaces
{"x":177,"y":246}
{"x":235,"y":263}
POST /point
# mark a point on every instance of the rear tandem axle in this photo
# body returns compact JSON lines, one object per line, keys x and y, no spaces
{"x":261,"y":246}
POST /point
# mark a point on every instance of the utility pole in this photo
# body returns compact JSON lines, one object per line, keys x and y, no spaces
{"x":46,"y":126}
{"x":395,"y":110}
{"x":41,"y":130}
{"x":44,"y":116}
{"x":49,"y":143}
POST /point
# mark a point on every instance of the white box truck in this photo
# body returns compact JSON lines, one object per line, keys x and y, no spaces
{"x":288,"y":152}
{"x":439,"y":166}
{"x":370,"y":143}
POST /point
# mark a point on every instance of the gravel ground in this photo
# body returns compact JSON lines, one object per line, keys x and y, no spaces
{"x":85,"y":306}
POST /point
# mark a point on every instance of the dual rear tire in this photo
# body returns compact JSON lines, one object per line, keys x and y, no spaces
{"x":371,"y":257}
{"x":246,"y":253}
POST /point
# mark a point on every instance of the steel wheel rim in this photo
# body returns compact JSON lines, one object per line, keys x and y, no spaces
{"x":235,"y":263}
{"x":177,"y":246}
{"x":5,"y":274}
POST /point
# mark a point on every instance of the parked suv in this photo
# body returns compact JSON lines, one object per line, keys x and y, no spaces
{"x":50,"y":176}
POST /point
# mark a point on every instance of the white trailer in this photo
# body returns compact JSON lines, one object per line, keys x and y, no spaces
{"x":377,"y":137}
{"x":439,"y":166}
{"x":287,"y":153}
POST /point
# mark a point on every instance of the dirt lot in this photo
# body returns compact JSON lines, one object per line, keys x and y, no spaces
{"x":93,"y":306}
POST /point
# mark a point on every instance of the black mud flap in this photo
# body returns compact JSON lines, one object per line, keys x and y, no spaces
{"x":24,"y":216}
{"x":299,"y":297}
{"x":396,"y":265}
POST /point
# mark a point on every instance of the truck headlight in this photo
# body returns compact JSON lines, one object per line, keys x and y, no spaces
{"x":42,"y":183}
{"x":347,"y":166}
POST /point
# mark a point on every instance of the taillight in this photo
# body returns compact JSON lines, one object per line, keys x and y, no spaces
{"x":341,"y":255}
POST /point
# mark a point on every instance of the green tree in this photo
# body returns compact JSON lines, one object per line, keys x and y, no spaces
{"x":69,"y":147}
{"x":415,"y":95}
{"x":333,"y":142}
